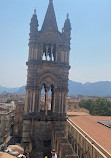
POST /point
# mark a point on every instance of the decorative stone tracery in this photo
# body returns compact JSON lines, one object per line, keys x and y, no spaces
{"x":48,"y":69}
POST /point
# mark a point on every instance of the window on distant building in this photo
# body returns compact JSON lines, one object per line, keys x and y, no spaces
{"x":21,"y":109}
{"x":20,"y":120}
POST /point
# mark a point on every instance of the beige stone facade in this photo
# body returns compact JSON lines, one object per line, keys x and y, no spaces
{"x":5,"y":128}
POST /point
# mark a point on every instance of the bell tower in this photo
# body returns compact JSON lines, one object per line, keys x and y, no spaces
{"x":47,"y":81}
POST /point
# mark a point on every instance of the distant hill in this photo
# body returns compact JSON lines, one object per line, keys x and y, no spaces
{"x":8,"y":90}
{"x":21,"y":90}
{"x":102,"y":88}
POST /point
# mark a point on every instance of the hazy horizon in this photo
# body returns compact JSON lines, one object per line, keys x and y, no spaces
{"x":70,"y":80}
{"x":90,"y":56}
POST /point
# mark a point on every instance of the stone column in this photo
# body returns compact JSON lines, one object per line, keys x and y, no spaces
{"x":29,"y":101}
{"x":51,"y":52}
{"x":77,"y":149}
{"x":62,"y":56}
{"x":65,"y":60}
{"x":45,"y":101}
{"x":56,"y":54}
{"x":46,"y":107}
{"x":36,"y":51}
{"x":39,"y":96}
{"x":65,"y":102}
{"x":36,"y":103}
{"x":26,"y":103}
{"x":29,"y":53}
{"x":33,"y":102}
{"x":41,"y":52}
{"x":32,"y":53}
{"x":54,"y":102}
{"x":59,"y":102}
{"x":74,"y":146}
{"x":62,"y":101}
{"x":46,"y":52}
{"x":68,"y":57}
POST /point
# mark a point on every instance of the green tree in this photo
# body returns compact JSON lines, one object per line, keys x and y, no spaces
{"x":100,"y":106}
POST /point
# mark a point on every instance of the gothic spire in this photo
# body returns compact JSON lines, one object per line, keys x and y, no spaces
{"x":67,"y":24}
{"x":33,"y":27}
{"x":34,"y":22}
{"x":50,"y":18}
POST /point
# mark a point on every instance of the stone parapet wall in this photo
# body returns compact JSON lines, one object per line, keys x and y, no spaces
{"x":63,"y":147}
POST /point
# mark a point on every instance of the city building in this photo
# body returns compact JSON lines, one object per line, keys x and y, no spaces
{"x":10,"y":97}
{"x":72,"y":104}
{"x":6,"y":127}
{"x":90,"y":136}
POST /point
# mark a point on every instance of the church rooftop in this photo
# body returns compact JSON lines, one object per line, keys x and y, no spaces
{"x":96,"y":131}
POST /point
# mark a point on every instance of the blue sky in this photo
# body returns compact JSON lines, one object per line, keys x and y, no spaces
{"x":90,"y":56}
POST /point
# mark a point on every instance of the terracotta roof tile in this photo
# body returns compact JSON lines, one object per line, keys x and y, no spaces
{"x":100,"y":133}
{"x":4,"y":107}
{"x":69,"y":113}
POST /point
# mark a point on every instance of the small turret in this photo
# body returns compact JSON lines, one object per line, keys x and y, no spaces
{"x":66,"y":31}
{"x":67,"y":25}
{"x":33,"y":27}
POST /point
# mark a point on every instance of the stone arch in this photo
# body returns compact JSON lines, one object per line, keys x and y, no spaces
{"x":48,"y":79}
{"x":49,"y":82}
{"x":50,"y":37}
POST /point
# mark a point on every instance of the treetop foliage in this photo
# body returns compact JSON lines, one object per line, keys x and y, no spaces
{"x":100,"y":107}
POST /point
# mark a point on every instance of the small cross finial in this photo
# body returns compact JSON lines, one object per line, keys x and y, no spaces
{"x":67,"y":16}
{"x":35,"y":11}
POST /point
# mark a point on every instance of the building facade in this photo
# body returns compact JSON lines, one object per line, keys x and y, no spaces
{"x":6,"y":128}
{"x":48,"y":70}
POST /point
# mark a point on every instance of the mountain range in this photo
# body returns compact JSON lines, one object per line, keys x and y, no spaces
{"x":101,"y":88}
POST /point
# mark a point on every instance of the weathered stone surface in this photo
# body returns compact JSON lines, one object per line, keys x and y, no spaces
{"x":66,"y":150}
{"x":48,"y":69}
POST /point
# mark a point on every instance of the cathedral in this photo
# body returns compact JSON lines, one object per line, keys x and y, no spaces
{"x":48,"y":70}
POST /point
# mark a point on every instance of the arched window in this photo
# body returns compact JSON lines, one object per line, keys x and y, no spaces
{"x":47,"y":98}
{"x":49,"y":52}
{"x":43,"y":98}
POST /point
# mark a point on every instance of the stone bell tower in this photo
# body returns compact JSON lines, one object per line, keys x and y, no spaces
{"x":47,"y":82}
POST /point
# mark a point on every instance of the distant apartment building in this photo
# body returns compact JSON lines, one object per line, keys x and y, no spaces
{"x":72,"y":104}
{"x":8,"y":97}
{"x":10,"y":105}
{"x":6,"y":126}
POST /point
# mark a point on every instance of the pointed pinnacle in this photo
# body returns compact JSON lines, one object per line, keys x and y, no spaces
{"x":67,"y":16}
{"x":34,"y":11}
{"x":50,"y":1}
